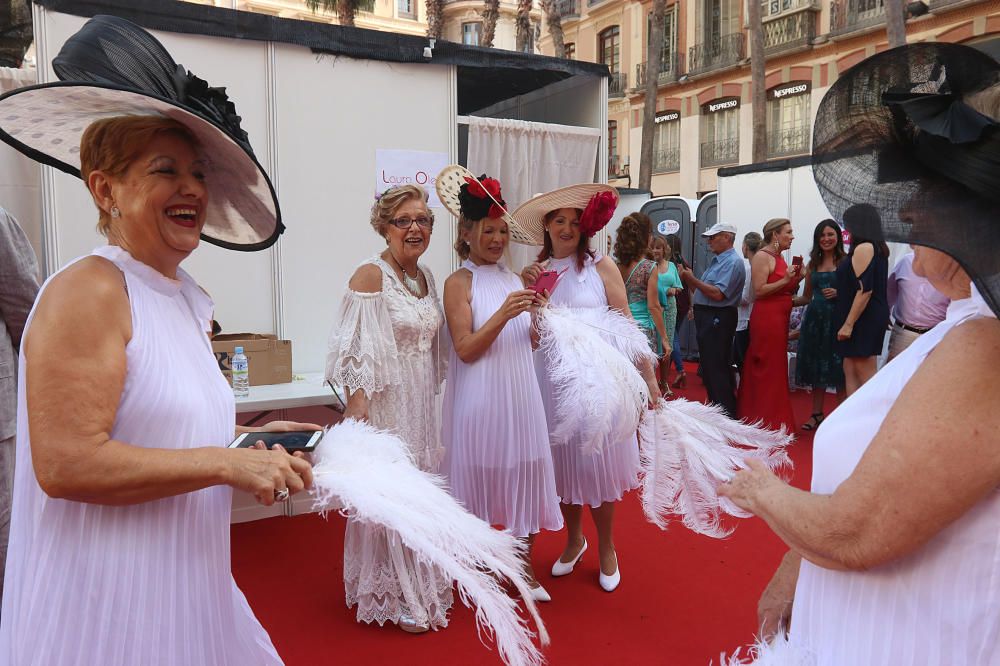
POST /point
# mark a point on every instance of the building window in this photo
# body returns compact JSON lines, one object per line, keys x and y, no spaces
{"x":571,"y":51}
{"x":529,"y":45}
{"x":406,"y":9}
{"x":471,"y":33}
{"x":667,"y":64}
{"x":609,"y":48}
{"x":612,"y":142}
{"x":716,"y":19}
{"x":788,"y":119}
{"x":720,"y":132}
{"x":667,"y":145}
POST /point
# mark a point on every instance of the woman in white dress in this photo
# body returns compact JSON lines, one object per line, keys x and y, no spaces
{"x":893,"y":554}
{"x":385,"y":352}
{"x":119,"y":541}
{"x":497,"y":458}
{"x":563,"y":222}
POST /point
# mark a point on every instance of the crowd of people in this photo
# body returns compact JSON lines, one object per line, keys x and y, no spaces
{"x":122,"y":480}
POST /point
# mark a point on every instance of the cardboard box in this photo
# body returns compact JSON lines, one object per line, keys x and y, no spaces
{"x":269,"y":358}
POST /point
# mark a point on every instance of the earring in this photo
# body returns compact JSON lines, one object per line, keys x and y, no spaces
{"x":115,"y":213}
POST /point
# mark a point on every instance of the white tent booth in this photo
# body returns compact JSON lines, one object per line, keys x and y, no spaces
{"x":319,"y":103}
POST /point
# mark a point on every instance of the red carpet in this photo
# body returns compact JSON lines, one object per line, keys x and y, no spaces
{"x":683,"y":599}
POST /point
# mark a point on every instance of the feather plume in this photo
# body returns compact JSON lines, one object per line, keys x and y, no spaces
{"x":369,"y":475}
{"x":591,"y":354}
{"x":687,"y":450}
{"x":778,"y":652}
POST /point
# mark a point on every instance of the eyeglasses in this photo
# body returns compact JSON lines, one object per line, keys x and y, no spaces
{"x":407,"y":222}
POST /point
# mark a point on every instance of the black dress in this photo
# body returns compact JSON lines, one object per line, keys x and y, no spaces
{"x":870,"y":328}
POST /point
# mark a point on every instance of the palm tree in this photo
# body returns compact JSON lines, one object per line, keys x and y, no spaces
{"x":15,"y":32}
{"x":491,"y":13}
{"x":758,"y":101}
{"x":435,"y":18}
{"x":522,"y":24}
{"x":654,"y":56}
{"x":553,"y":19}
{"x":345,"y":9}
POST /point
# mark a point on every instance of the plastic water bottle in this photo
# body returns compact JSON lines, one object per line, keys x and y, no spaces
{"x":241,"y":374}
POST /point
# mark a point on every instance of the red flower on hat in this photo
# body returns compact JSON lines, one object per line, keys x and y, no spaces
{"x":475,"y":188}
{"x":598,"y":212}
{"x":492,"y":185}
{"x":496,"y":212}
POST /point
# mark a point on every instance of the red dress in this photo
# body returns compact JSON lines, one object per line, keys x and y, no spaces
{"x":763,"y":393}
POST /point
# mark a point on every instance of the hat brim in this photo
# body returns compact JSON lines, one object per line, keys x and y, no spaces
{"x":861,"y":157}
{"x":531,"y":214}
{"x":448,"y":185}
{"x":47,"y":121}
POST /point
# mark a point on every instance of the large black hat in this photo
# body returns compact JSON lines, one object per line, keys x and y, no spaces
{"x":112,"y":67}
{"x":897,"y":134}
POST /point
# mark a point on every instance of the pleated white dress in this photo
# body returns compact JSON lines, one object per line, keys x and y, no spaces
{"x":150,"y":583}
{"x":938,"y":606}
{"x":580,"y":478}
{"x":497,"y":458}
{"x":388,"y":345}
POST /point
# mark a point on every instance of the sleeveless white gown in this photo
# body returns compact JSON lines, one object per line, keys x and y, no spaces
{"x":938,"y":606}
{"x":497,"y":459}
{"x":149,"y":583}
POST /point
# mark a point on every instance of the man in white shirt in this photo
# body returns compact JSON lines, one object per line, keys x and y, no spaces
{"x":741,"y":341}
{"x":916,"y":305}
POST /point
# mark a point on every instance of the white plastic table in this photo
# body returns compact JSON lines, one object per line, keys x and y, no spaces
{"x":309,"y":391}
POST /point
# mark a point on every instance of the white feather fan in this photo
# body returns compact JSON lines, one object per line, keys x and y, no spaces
{"x":368,"y":475}
{"x":687,"y":450}
{"x":591,"y":355}
{"x":779,"y":652}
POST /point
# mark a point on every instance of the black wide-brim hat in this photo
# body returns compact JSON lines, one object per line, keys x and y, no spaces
{"x":897,"y":149}
{"x":113,"y":68}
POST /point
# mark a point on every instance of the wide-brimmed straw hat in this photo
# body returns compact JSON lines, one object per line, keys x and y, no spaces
{"x":531,"y":214}
{"x":113,"y":68}
{"x":475,"y":197}
{"x":898,"y":148}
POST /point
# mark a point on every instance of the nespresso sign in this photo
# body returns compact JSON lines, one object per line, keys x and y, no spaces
{"x":789,"y":89}
{"x":720,"y":105}
{"x":667,"y":116}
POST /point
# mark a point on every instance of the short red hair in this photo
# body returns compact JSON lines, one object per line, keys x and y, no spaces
{"x":111,"y":144}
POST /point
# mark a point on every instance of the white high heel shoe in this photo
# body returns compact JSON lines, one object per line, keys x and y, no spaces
{"x":561,"y":568}
{"x":540,"y":594}
{"x":609,"y":583}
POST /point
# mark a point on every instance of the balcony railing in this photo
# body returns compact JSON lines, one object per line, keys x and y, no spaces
{"x":617,"y":166}
{"x":789,"y":32}
{"x":671,"y":67}
{"x":850,"y":15}
{"x":667,"y":160}
{"x":717,"y":153}
{"x":617,"y":84}
{"x":716,"y":53}
{"x":568,"y":8}
{"x":794,"y":141}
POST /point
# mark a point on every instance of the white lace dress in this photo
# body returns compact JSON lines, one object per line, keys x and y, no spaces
{"x":387,"y":344}
{"x":498,"y":462}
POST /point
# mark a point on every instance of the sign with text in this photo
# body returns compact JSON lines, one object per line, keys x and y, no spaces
{"x":789,"y":89}
{"x":720,"y":105}
{"x":668,"y":227}
{"x":414,"y":167}
{"x":667,"y":116}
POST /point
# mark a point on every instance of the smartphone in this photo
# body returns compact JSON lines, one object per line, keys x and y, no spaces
{"x":301,"y":440}
{"x":546,"y":281}
{"x":797,"y":260}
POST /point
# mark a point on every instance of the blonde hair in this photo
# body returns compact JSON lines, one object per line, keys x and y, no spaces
{"x":391,"y":200}
{"x":773,"y":226}
{"x":475,"y":227}
{"x":111,"y":144}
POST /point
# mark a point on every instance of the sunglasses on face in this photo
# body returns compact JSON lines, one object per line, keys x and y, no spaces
{"x":407,"y":222}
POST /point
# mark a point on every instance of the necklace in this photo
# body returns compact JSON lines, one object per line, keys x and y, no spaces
{"x":411,"y":283}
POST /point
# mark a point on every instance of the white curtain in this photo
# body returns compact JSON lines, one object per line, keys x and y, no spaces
{"x":530,"y":158}
{"x":20,"y":177}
